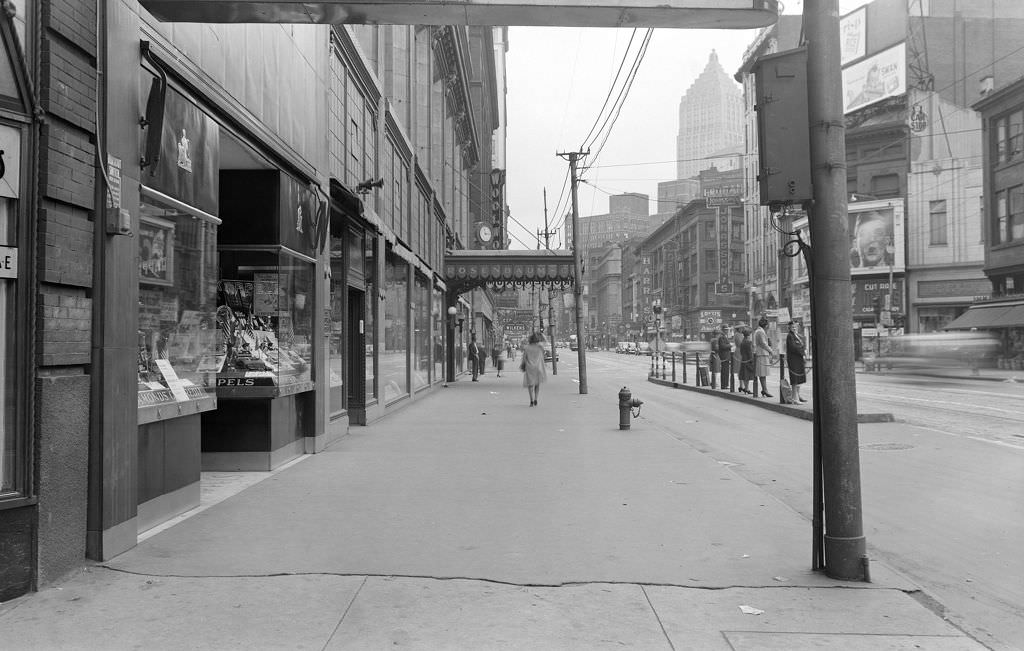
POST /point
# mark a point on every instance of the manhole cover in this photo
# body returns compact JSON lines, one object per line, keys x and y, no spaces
{"x":887,"y":446}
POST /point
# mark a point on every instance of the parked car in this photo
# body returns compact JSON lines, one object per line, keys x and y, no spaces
{"x":644,"y":348}
{"x":547,"y":355}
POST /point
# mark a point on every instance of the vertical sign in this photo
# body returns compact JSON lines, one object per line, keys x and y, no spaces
{"x":497,"y":208}
{"x":723,"y":249}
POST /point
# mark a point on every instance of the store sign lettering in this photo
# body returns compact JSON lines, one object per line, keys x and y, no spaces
{"x":236,"y":382}
{"x":8,"y":262}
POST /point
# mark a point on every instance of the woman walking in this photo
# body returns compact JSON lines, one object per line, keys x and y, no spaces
{"x":534,"y":372}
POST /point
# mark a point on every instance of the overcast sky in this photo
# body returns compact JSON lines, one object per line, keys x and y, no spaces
{"x":558,"y":79}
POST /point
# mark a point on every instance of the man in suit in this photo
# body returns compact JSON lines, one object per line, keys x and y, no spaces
{"x":723,"y":346}
{"x":475,"y":354}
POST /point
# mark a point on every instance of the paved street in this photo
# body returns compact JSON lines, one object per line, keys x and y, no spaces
{"x":470,"y":521}
{"x":942,"y":486}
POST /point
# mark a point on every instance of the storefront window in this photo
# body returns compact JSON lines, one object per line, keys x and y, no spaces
{"x":421,"y":334}
{"x":177,"y":336}
{"x":264,"y":322}
{"x":439,"y":313}
{"x":11,"y":454}
{"x":370,"y":312}
{"x":336,"y":338}
{"x":393,"y":358}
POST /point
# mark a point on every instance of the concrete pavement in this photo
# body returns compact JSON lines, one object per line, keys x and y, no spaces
{"x":470,"y":520}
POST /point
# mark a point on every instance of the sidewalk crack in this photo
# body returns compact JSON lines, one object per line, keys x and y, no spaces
{"x":658,"y":618}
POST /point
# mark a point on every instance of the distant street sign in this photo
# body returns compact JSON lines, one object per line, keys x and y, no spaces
{"x":649,"y":318}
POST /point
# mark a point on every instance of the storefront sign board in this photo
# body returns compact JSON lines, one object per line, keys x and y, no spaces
{"x":8,"y":262}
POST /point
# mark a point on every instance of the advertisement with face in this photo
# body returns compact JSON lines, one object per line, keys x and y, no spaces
{"x":876,"y":236}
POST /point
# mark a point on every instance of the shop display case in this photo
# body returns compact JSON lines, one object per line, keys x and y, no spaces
{"x":264,"y":322}
{"x":177,"y":309}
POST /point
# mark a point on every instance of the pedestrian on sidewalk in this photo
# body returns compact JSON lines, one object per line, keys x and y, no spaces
{"x":762,"y":355}
{"x":723,"y":346}
{"x":746,"y":349}
{"x":475,"y":354}
{"x":532,"y":366}
{"x":500,"y":361}
{"x":795,"y":350}
{"x":495,"y":352}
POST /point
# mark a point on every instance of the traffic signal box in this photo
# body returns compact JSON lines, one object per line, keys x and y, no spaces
{"x":783,"y":131}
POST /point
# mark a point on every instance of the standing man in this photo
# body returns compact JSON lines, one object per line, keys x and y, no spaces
{"x":723,"y":345}
{"x":475,"y":354}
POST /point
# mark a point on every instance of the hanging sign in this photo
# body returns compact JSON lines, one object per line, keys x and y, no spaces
{"x":8,"y":262}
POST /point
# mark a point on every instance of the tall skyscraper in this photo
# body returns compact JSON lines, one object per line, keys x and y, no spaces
{"x":710,"y":122}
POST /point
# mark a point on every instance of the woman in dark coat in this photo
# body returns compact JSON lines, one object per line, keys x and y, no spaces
{"x":795,"y":348}
{"x":746,"y":363}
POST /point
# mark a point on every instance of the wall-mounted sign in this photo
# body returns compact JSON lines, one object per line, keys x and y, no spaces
{"x":8,"y":262}
{"x":874,"y":79}
{"x":852,"y":35}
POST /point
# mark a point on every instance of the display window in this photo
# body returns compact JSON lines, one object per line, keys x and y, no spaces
{"x":264,"y":322}
{"x":12,"y":454}
{"x":177,"y":307}
{"x":370,"y":314}
{"x":393,"y":358}
{"x":438,"y":313}
{"x":421,"y":333}
{"x":336,"y":334}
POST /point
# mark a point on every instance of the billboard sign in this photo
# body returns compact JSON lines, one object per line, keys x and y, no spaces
{"x":875,"y":78}
{"x":876,"y":237}
{"x":853,"y":35}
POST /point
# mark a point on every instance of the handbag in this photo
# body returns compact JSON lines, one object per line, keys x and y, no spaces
{"x":522,"y":364}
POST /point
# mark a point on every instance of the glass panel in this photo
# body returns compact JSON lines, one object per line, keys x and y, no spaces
{"x":1015,"y":135}
{"x":264,"y":318}
{"x":421,"y":334}
{"x":336,"y":338}
{"x":1016,"y":216}
{"x":439,"y":312}
{"x":177,"y":336}
{"x":12,"y":455}
{"x":394,"y":350}
{"x":1000,"y":234}
{"x":1001,"y":140}
{"x":370,"y":313}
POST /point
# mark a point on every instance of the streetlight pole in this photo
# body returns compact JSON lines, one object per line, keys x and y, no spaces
{"x":890,"y":251}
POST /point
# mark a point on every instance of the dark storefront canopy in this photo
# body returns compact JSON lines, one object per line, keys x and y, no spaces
{"x":1000,"y":315}
{"x":466,"y":269}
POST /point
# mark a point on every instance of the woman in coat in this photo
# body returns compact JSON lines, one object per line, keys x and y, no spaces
{"x":534,"y":371}
{"x":795,"y":348}
{"x":746,"y":349}
{"x":762,"y":355}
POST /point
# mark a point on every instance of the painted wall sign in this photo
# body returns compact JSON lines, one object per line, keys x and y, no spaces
{"x":8,"y":262}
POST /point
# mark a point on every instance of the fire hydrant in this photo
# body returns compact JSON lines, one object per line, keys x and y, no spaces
{"x":626,"y":403}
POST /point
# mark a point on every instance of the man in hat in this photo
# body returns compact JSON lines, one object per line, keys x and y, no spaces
{"x":722,"y":345}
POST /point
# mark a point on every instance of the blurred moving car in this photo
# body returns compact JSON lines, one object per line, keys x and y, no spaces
{"x":644,"y":348}
{"x":547,"y":355}
{"x":933,"y":350}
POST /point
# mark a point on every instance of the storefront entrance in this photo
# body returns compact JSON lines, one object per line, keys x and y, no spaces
{"x":358,"y":353}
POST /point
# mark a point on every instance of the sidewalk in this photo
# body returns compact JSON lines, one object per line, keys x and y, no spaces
{"x":471,"y":521}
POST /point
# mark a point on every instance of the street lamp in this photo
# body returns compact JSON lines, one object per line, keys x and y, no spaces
{"x":890,"y":251}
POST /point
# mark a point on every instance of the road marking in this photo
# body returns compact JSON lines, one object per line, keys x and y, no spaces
{"x":974,"y":438}
{"x":885,"y":397}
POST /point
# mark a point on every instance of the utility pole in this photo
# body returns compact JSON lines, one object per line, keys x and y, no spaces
{"x":551,"y":312}
{"x":577,"y":288}
{"x":844,"y":545}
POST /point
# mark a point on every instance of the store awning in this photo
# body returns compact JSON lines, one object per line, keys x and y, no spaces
{"x":1000,"y":315}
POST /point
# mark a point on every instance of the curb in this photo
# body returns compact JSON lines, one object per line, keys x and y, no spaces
{"x":804,"y":413}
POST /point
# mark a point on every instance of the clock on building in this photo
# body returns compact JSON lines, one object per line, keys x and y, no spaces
{"x":484,"y":233}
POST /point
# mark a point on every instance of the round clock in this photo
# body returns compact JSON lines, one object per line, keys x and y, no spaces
{"x":484,"y":233}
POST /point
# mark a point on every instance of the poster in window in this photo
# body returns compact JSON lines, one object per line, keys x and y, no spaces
{"x":156,"y":251}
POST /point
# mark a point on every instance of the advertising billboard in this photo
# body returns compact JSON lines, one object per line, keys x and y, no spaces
{"x":875,"y":78}
{"x":876,"y":237}
{"x":853,"y":35}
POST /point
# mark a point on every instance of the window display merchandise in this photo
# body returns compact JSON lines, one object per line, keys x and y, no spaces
{"x":177,"y":305}
{"x":264,"y":323}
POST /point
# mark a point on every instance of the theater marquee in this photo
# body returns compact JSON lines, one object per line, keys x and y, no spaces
{"x":697,"y":14}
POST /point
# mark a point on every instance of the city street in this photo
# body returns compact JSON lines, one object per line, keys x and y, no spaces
{"x":943,"y":486}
